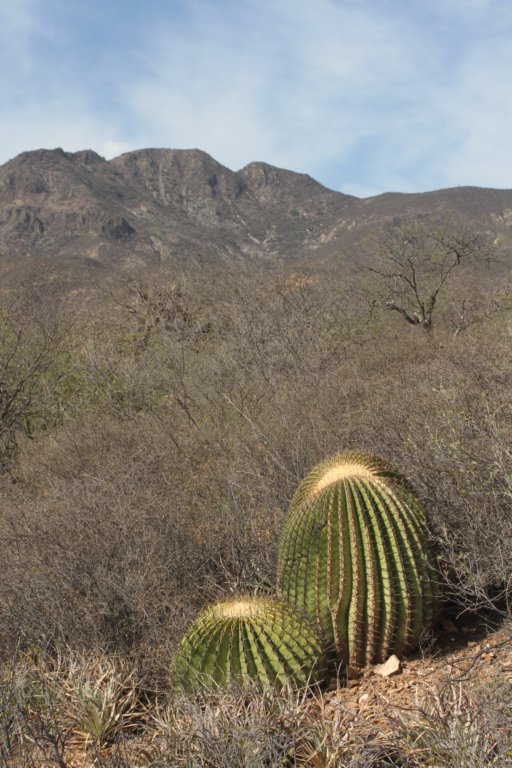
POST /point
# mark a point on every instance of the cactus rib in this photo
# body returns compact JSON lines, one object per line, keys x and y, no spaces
{"x":262,"y":639}
{"x":355,"y":556}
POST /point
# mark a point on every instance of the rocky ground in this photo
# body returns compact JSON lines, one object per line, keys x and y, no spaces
{"x":439,"y":689}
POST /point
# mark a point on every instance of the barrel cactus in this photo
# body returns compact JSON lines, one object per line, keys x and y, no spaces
{"x":355,"y":556}
{"x":243,"y":639}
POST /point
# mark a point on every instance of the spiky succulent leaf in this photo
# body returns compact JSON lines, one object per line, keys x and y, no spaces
{"x":355,"y":556}
{"x":248,"y":638}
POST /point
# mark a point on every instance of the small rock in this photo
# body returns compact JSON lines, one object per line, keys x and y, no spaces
{"x":392,"y":666}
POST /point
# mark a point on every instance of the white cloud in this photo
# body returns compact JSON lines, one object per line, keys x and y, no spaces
{"x":65,"y":123}
{"x":20,"y":23}
{"x":346,"y":92}
{"x":478,"y":116}
{"x":293,"y":86}
{"x":463,"y":6}
{"x":111,"y":149}
{"x":19,"y":17}
{"x":366,"y":95}
{"x":43,"y":103}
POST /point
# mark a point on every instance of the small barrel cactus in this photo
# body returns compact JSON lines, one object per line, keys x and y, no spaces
{"x":246,"y":638}
{"x":355,"y":556}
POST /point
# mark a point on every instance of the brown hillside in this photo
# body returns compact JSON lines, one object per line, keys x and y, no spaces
{"x":168,"y":206}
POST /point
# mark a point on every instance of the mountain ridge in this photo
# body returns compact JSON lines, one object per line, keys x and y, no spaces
{"x":159,"y":205}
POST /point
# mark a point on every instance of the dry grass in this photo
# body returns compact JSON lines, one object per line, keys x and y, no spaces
{"x":47,"y":719}
{"x":457,"y":728}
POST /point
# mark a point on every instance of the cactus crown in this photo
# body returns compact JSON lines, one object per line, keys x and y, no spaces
{"x":262,"y":639}
{"x":355,"y":556}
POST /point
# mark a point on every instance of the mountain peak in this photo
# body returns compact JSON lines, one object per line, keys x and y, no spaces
{"x":154,"y":205}
{"x":265,"y":173}
{"x":37,"y":156}
{"x":179,"y":157}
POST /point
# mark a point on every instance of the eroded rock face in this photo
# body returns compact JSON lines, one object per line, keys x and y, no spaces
{"x":62,"y":206}
{"x":117,"y":229}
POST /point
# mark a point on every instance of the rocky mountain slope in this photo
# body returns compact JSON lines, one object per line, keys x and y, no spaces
{"x":161,"y":205}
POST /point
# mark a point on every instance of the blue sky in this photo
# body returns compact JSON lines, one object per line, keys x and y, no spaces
{"x":366,"y":96}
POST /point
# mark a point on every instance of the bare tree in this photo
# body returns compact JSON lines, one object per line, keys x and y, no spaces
{"x":417,"y":261}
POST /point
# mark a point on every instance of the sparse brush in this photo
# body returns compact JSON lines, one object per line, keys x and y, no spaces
{"x":223,"y":728}
{"x":34,"y":727}
{"x":245,"y":639}
{"x":457,"y":727}
{"x":355,"y":555}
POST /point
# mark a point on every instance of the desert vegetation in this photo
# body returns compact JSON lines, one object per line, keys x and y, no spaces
{"x":152,"y":437}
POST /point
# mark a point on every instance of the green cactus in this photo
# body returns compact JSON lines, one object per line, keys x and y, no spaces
{"x":355,"y":556}
{"x":249,"y":638}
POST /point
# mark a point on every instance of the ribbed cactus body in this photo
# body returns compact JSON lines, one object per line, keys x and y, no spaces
{"x":355,"y":556}
{"x":262,"y":639}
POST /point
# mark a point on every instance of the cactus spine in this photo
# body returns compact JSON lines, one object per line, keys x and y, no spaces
{"x":355,"y":555}
{"x":249,"y":638}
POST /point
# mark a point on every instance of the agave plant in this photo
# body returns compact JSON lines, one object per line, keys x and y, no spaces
{"x":248,"y":638}
{"x":355,"y":556}
{"x":103,"y":698}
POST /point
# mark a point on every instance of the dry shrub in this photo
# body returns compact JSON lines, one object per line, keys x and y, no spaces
{"x":250,"y":729}
{"x":114,"y":537}
{"x":78,"y":707}
{"x":190,"y":422}
{"x":440,"y":412}
{"x":33,"y":340}
{"x":52,"y":708}
{"x":31,"y":727}
{"x":459,"y":726}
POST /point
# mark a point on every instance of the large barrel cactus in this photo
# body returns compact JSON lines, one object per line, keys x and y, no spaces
{"x":262,"y":639}
{"x":355,"y":556}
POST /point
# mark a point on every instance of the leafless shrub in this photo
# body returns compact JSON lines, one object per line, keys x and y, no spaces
{"x":457,"y":728}
{"x":246,"y":728}
{"x":32,"y":340}
{"x":166,"y":482}
{"x":30,"y":703}
{"x":115,"y":537}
